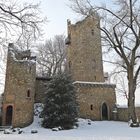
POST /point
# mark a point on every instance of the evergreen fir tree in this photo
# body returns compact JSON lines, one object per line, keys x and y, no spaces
{"x":60,"y":106}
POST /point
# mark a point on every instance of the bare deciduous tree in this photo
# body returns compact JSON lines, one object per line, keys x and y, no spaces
{"x":19,"y":23}
{"x":52,"y":56}
{"x":121,"y":35}
{"x":18,"y":20}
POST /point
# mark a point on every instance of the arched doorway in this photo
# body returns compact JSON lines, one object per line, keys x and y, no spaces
{"x":9,"y":113}
{"x":104,"y":112}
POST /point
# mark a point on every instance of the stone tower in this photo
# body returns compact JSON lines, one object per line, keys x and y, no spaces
{"x":96,"y":98}
{"x":84,"y":50}
{"x":18,"y":100}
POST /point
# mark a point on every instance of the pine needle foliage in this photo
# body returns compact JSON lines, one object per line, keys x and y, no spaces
{"x":61,"y":108}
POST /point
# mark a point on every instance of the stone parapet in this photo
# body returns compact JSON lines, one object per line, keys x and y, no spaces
{"x":94,"y":84}
{"x":122,"y":113}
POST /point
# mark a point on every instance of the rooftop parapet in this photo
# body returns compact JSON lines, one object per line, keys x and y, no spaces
{"x":18,"y":55}
{"x":94,"y":84}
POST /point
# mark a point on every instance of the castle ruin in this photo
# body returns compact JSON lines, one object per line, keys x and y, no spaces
{"x":84,"y":59}
{"x":19,"y":91}
{"x":95,"y":96}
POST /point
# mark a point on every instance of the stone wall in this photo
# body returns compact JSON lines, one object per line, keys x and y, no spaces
{"x":122,"y":113}
{"x":0,"y":120}
{"x":1,"y":97}
{"x":84,"y":52}
{"x":84,"y":62}
{"x":19,"y":88}
{"x":93,"y":94}
{"x":40,"y":89}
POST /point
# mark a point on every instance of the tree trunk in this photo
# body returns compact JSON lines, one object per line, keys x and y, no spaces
{"x":131,"y":109}
{"x":131,"y":96}
{"x":131,"y":100}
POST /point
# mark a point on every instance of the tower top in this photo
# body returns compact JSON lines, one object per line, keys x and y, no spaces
{"x":93,"y":16}
{"x":84,"y":52}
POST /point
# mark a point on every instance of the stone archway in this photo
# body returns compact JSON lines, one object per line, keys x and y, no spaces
{"x":104,"y":112}
{"x":9,"y":115}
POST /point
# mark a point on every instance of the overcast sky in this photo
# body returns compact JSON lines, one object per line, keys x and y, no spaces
{"x":57,"y":12}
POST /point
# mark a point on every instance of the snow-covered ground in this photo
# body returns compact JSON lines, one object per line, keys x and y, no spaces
{"x":98,"y":130}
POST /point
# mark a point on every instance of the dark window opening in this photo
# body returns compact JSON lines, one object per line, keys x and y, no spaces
{"x":30,"y":69}
{"x":91,"y":107}
{"x":92,"y":32}
{"x":94,"y":64}
{"x":95,"y":77}
{"x":70,"y":64}
{"x":28,"y":93}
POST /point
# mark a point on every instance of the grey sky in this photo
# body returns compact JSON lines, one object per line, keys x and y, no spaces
{"x":57,"y":12}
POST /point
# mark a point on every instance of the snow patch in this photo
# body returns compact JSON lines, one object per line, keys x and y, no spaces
{"x":92,"y":83}
{"x":38,"y":108}
{"x":97,"y":130}
{"x":12,"y":54}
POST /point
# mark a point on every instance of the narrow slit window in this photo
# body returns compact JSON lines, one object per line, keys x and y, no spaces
{"x":30,"y":69}
{"x":28,"y":93}
{"x":70,"y":64}
{"x":92,"y":31}
{"x":91,"y":107}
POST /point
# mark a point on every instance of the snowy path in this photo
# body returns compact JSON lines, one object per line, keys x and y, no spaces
{"x":98,"y":130}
